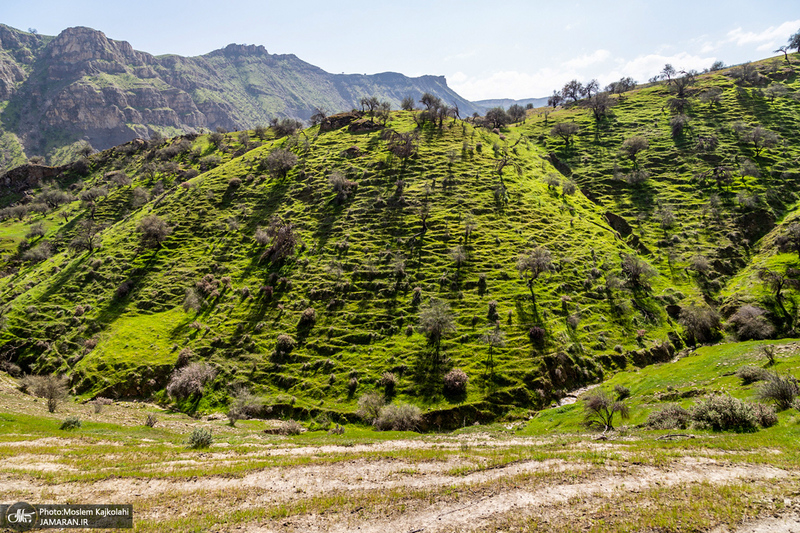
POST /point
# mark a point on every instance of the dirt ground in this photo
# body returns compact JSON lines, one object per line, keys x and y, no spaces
{"x":362,"y":486}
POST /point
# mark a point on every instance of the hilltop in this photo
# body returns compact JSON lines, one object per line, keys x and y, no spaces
{"x":81,"y":90}
{"x":303,"y":265}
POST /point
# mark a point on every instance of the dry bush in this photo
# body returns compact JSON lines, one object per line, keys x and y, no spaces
{"x":398,"y":417}
{"x":290,"y":427}
{"x":52,"y":388}
{"x":724,"y":413}
{"x":455,"y":381}
{"x":672,"y":416}
{"x":244,"y":405}
{"x":190,"y":380}
{"x":369,"y":406}
{"x":599,"y":410}
{"x":750,"y":374}
{"x":100,"y":402}
{"x":781,"y":390}
{"x":750,"y":322}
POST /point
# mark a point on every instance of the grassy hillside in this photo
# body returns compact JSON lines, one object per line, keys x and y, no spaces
{"x":374,"y":240}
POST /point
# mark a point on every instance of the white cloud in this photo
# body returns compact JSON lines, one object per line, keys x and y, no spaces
{"x":598,"y":56}
{"x":515,"y":84}
{"x":772,"y":36}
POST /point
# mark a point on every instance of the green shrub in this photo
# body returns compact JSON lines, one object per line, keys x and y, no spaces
{"x":71,"y":422}
{"x":398,"y":417}
{"x":724,"y":413}
{"x":673,"y":416}
{"x":200,"y":438}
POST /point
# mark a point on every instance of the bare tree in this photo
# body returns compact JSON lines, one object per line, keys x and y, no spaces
{"x":599,"y":410}
{"x":87,"y":236}
{"x":565,"y":130}
{"x":436,"y":321}
{"x":573,"y":90}
{"x":533,"y":264}
{"x":154,"y":230}
{"x":632,"y":146}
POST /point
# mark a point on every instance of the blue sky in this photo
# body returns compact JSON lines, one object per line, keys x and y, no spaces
{"x":506,"y":49}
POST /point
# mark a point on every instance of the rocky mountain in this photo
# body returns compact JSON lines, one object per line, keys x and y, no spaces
{"x":59,"y":93}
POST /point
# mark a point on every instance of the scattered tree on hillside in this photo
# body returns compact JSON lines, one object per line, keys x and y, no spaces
{"x":285,"y":126}
{"x":573,"y":90}
{"x":565,"y":130}
{"x":436,"y":321}
{"x":402,"y":145}
{"x":407,"y":103}
{"x":632,"y":146}
{"x":555,"y":100}
{"x":761,"y":138}
{"x":621,"y":86}
{"x":154,"y":230}
{"x":497,"y":117}
{"x":700,"y":322}
{"x":637,"y":271}
{"x":533,"y":264}
{"x":591,"y":88}
{"x":516,"y":113}
{"x":280,"y":162}
{"x":87,"y":236}
{"x":775,"y":90}
{"x":283,"y":240}
{"x":785,"y":51}
{"x":794,"y":42}
{"x":778,"y":282}
{"x":600,"y":104}
{"x":318,"y":116}
{"x":789,"y":240}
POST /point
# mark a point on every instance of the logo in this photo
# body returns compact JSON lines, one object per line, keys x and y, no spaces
{"x":21,"y":516}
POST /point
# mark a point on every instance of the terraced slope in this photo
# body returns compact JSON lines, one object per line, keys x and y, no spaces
{"x":346,"y":248}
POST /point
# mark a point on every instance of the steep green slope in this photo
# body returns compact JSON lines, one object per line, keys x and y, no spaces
{"x":377,"y":236}
{"x":114,"y":318}
{"x":706,"y":192}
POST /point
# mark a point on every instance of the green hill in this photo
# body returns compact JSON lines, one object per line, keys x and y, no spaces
{"x":347,"y":241}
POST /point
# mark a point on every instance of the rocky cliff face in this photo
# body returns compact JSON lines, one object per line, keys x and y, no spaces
{"x":81,"y":86}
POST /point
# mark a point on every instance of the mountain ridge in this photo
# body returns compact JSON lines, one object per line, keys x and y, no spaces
{"x":58,"y":94}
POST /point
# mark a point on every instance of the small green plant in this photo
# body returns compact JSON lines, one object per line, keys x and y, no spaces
{"x":71,"y":422}
{"x":200,"y":438}
{"x":151,"y":420}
